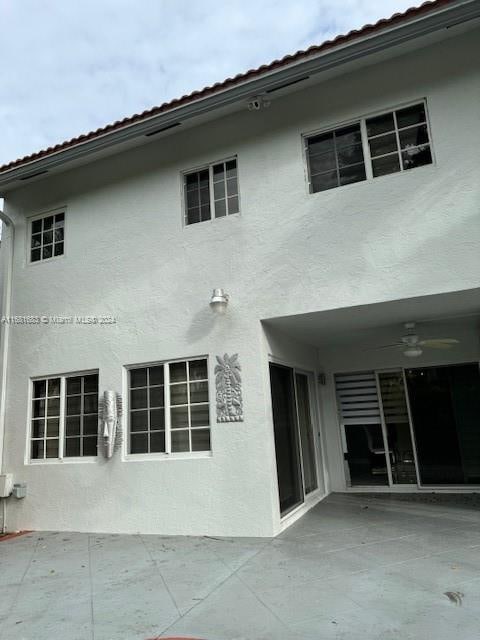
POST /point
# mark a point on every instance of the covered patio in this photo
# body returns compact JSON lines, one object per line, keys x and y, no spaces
{"x":356,"y":567}
{"x":395,"y":397}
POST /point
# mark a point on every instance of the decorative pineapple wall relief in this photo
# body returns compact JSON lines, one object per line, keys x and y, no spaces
{"x":229,"y":389}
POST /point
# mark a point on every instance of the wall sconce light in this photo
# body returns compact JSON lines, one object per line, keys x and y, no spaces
{"x":219,"y":301}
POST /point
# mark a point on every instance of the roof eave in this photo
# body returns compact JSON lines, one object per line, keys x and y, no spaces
{"x":446,"y":17}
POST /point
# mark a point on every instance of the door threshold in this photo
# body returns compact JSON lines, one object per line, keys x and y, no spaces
{"x":405,"y":488}
{"x":294,"y":515}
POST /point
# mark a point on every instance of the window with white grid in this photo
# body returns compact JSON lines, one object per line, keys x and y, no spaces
{"x":169,"y":408}
{"x":394,"y":141}
{"x":399,"y":140}
{"x":211,"y":192}
{"x":64,"y":417}
{"x":47,"y":237}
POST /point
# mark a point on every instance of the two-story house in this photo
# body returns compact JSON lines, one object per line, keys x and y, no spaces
{"x":332,"y":201}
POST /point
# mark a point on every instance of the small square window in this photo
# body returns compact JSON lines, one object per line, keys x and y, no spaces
{"x":47,"y":237}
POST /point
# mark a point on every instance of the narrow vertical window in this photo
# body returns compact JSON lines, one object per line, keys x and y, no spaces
{"x":46,"y":418}
{"x":147,"y":410}
{"x":81,"y":416}
{"x":225,"y":188}
{"x":197,"y":197}
{"x":211,"y":192}
{"x":47,"y":237}
{"x":190,"y":415}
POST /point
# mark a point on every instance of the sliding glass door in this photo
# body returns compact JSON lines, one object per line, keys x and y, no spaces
{"x":294,"y":436}
{"x":445,"y":408}
{"x":418,"y":426}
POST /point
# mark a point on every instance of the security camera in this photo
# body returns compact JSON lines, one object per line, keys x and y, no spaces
{"x":260,"y":102}
{"x":255,"y":104}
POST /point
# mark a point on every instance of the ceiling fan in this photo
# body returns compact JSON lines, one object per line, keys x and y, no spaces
{"x":413,"y":346}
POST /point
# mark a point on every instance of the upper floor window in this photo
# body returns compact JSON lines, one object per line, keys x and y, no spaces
{"x":64,"y":421}
{"x":169,"y":408}
{"x":394,"y":141}
{"x":336,"y":158}
{"x":399,"y":140}
{"x":211,"y":192}
{"x":47,"y":237}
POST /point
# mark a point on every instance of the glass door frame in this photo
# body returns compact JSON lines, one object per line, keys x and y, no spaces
{"x":390,"y":485}
{"x":401,"y":371}
{"x":472,"y":488}
{"x":317,"y":437}
{"x":419,"y":485}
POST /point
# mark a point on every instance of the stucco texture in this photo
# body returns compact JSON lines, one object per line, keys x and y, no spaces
{"x":288,"y":252}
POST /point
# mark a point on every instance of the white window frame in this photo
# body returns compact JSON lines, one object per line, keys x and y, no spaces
{"x":61,"y":431}
{"x":362,"y":121}
{"x":204,"y":167}
{"x":167,"y":454}
{"x":39,"y":216}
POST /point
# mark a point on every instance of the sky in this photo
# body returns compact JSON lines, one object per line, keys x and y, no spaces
{"x":69,"y":66}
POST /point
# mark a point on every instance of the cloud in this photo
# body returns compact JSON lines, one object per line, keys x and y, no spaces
{"x":67,"y":68}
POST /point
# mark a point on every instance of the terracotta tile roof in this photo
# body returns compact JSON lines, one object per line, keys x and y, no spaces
{"x":366,"y":30}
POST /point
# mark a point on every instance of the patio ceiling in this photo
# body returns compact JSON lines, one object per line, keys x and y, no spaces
{"x":348,"y":325}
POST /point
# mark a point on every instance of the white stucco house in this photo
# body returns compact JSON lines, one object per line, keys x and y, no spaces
{"x":333,"y":197}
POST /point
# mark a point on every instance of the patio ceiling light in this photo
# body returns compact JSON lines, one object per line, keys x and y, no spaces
{"x":413,"y":352}
{"x":219,"y":301}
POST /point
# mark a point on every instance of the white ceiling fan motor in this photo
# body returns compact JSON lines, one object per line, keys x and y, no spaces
{"x":412,"y":346}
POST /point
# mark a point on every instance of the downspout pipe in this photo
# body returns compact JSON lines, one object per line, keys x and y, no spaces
{"x":8,"y":237}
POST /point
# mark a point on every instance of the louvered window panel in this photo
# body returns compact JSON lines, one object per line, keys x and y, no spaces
{"x":393,"y":397}
{"x":358,"y":398}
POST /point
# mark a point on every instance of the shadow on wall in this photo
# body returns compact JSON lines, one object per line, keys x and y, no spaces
{"x":202,"y":324}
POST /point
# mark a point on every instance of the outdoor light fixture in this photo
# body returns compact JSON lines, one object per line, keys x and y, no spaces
{"x":219,"y":301}
{"x":413,"y":352}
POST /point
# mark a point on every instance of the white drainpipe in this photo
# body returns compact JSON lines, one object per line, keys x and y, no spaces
{"x":8,"y":237}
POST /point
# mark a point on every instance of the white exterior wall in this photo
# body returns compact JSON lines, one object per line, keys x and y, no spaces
{"x":288,"y":252}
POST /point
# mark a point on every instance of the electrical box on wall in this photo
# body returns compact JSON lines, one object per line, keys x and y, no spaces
{"x":19,"y":490}
{"x":6,"y":485}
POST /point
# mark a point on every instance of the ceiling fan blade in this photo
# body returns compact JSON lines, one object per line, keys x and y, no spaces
{"x":390,"y":346}
{"x":439,"y":343}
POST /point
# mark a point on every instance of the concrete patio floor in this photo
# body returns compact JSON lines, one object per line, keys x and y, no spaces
{"x":357,"y":567}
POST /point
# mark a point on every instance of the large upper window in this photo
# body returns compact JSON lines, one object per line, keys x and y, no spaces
{"x":211,"y":192}
{"x":169,"y":408}
{"x":47,"y":237}
{"x":394,"y":141}
{"x":64,"y":421}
